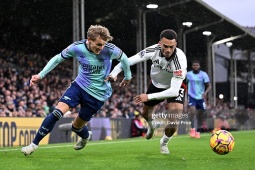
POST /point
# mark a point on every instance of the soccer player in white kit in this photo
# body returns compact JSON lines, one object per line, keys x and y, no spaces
{"x":168,"y":71}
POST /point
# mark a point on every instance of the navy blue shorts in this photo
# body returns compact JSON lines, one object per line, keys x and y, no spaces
{"x":199,"y":104}
{"x":75,"y":95}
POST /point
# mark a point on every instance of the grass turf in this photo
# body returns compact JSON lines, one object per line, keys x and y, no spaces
{"x":139,"y":153}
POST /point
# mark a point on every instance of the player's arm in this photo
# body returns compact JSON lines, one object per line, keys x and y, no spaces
{"x":173,"y":91}
{"x":49,"y":66}
{"x":137,"y":58}
{"x":208,"y":88}
{"x":127,"y":72}
{"x":57,"y":59}
{"x":54,"y":61}
{"x":126,"y":67}
{"x":206,"y":84}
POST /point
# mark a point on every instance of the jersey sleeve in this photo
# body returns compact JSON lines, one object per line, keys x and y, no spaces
{"x":119,"y":55}
{"x":51,"y":65}
{"x":57,"y":59}
{"x":68,"y":52}
{"x":137,"y":58}
{"x":173,"y":91}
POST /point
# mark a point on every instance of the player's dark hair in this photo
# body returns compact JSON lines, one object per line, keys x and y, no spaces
{"x":168,"y":34}
{"x":196,"y":61}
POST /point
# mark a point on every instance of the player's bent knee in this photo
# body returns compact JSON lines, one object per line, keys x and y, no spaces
{"x":57,"y":113}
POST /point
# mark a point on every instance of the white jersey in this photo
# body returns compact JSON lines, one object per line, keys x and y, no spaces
{"x":164,"y":74}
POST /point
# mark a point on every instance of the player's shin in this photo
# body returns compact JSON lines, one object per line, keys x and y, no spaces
{"x":170,"y":130}
{"x":147,"y":114}
{"x":47,"y":125}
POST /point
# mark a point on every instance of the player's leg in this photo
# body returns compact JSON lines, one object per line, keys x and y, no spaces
{"x":89,"y":107}
{"x":192,"y":116}
{"x":174,"y":110}
{"x":79,"y":126}
{"x":201,"y":107}
{"x":149,"y":108}
{"x":46,"y":127}
{"x":69,"y":99}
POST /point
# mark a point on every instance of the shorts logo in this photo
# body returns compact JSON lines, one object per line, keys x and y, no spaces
{"x":66,"y":98}
{"x":179,"y":98}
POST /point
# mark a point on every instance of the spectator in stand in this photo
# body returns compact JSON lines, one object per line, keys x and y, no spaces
{"x":137,"y":126}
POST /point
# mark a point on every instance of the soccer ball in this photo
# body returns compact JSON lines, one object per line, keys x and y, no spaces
{"x":222,"y":142}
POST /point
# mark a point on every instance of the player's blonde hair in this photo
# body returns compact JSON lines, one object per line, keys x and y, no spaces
{"x":97,"y":30}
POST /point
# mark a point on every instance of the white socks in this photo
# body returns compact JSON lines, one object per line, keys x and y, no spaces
{"x":166,"y":139}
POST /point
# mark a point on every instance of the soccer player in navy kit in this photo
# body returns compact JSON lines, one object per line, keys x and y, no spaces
{"x":198,"y":86}
{"x":91,"y":87}
{"x":168,"y":70}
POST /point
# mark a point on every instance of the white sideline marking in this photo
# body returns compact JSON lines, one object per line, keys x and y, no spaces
{"x":114,"y":142}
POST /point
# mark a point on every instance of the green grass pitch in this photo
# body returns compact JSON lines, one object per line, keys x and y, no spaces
{"x":139,"y":153}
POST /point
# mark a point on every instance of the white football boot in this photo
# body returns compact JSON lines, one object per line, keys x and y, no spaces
{"x":81,"y":143}
{"x":28,"y":150}
{"x":163,"y":146}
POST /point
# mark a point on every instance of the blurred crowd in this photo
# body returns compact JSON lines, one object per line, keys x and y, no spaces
{"x":17,"y":99}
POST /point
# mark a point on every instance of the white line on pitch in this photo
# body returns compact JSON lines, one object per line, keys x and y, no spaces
{"x":114,"y":142}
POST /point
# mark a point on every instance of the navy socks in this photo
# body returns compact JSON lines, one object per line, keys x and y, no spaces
{"x":83,"y":133}
{"x":47,"y":125}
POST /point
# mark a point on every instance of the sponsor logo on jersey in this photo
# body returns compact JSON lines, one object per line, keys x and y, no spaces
{"x":66,"y":98}
{"x":95,"y":69}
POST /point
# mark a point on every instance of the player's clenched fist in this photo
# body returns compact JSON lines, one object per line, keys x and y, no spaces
{"x":141,"y":98}
{"x":34,"y":80}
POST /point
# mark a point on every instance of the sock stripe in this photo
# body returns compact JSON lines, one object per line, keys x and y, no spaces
{"x":76,"y":129}
{"x":57,"y":113}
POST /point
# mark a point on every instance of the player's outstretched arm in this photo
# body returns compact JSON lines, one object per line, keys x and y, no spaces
{"x":54,"y":61}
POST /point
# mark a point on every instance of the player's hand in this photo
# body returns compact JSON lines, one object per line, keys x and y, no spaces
{"x":34,"y":80}
{"x":110,"y":78}
{"x":141,"y":98}
{"x":124,"y":83}
{"x":204,"y":95}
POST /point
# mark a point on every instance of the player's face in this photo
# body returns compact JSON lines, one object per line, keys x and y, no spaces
{"x":195,"y":66}
{"x":96,"y":45}
{"x":167,"y":47}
